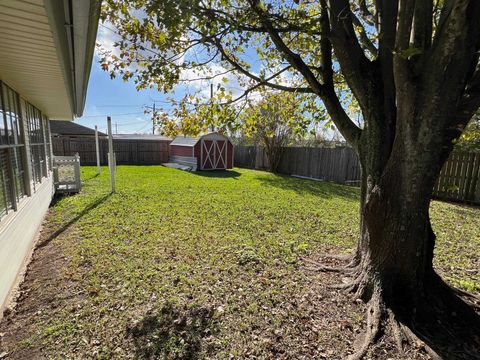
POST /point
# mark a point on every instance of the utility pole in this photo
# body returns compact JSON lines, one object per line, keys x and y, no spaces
{"x":212,"y":127}
{"x":153,"y":119}
{"x":116,"y":128}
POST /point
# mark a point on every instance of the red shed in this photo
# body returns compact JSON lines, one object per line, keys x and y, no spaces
{"x":208,"y":152}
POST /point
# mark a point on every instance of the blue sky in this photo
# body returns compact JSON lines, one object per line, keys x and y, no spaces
{"x":122,"y":101}
{"x":118,"y":99}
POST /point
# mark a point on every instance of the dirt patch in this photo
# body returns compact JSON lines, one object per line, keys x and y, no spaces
{"x":42,"y":290}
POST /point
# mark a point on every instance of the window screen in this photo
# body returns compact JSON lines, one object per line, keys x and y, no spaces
{"x":12,"y":151}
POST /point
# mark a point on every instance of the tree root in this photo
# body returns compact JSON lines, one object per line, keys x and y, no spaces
{"x":342,"y":257}
{"x":440,"y":324}
{"x":374,"y":316}
{"x":472,"y":299}
{"x":381,"y":321}
{"x":317,"y":266}
{"x":404,"y":337}
{"x":350,"y":267}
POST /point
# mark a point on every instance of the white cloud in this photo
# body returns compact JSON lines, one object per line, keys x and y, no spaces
{"x":106,"y":37}
{"x":213,"y":73}
{"x":192,"y":81}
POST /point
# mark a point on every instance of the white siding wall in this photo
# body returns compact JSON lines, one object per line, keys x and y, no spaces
{"x":17,"y":233}
{"x":19,"y":229}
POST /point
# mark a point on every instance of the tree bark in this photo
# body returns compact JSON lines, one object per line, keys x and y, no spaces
{"x":397,"y":241}
{"x":395,"y":250}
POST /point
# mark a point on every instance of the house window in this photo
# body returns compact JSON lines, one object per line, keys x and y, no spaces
{"x":5,"y":184}
{"x":37,"y":135}
{"x":12,"y":151}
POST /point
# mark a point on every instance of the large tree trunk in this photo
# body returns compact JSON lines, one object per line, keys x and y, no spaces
{"x":396,"y":244}
{"x":394,"y":259}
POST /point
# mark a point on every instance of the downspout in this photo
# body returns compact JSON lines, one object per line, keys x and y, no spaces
{"x":67,"y":7}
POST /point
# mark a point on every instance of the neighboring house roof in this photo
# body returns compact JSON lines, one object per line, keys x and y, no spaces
{"x":46,"y":51}
{"x":189,"y":141}
{"x":139,"y":137}
{"x":59,"y":127}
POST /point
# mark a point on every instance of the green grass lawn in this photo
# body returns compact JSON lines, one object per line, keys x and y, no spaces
{"x":186,"y":265}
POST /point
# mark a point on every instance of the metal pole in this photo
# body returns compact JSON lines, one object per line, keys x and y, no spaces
{"x":97,"y":149}
{"x":153,"y":119}
{"x":211,"y":108}
{"x":111,"y":161}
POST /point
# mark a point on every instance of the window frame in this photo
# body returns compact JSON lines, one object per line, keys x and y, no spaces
{"x":38,"y":144}
{"x":13,"y":179}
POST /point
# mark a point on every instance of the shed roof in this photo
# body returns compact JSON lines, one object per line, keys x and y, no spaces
{"x":60,"y":127}
{"x":189,"y":141}
{"x":184,"y":141}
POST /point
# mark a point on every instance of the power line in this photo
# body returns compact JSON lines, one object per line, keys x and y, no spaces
{"x":121,"y":105}
{"x":143,"y":127}
{"x":103,"y":115}
{"x":134,"y":123}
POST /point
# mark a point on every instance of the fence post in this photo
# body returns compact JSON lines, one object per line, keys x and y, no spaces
{"x":475,"y":181}
{"x":97,"y":150}
{"x":111,"y":158}
{"x":78,"y":179}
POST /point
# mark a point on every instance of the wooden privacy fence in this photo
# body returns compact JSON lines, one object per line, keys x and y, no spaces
{"x":459,"y":179}
{"x":127,"y":152}
{"x":330,"y":164}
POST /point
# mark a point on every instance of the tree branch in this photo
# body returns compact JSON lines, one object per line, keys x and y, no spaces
{"x":448,"y":74}
{"x":260,"y":81}
{"x":406,"y":11}
{"x":422,"y":24}
{"x":356,"y":67}
{"x":260,"y":84}
{"x":366,"y":13}
{"x":346,"y":126}
{"x":364,"y":39}
{"x":326,"y":47}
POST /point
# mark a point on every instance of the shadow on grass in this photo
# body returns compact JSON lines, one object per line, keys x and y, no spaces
{"x":173,"y":334}
{"x":310,"y":187}
{"x":218,"y":173}
{"x":65,"y":226}
{"x":90,"y":177}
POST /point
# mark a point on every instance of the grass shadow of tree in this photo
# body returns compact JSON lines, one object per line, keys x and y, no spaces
{"x":310,"y":187}
{"x":172,"y":333}
{"x":73,"y":220}
{"x":91,"y":177}
{"x":218,"y":174}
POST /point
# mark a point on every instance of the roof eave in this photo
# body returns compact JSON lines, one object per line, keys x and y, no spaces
{"x":86,"y":17}
{"x":71,"y":20}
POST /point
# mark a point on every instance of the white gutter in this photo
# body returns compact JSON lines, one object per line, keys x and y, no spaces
{"x":74,"y":27}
